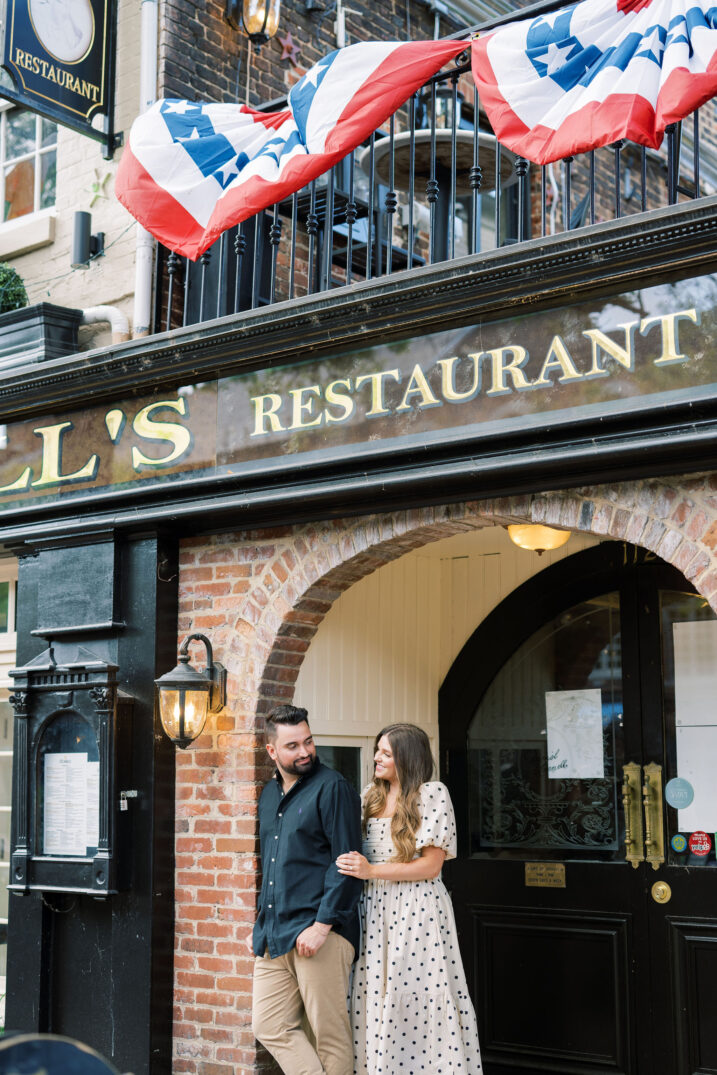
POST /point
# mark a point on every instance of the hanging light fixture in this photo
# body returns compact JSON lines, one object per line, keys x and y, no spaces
{"x":259,"y":18}
{"x":186,"y":695}
{"x":537,"y":538}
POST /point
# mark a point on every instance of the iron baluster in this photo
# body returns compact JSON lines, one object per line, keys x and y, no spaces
{"x":292,"y":255}
{"x":454,"y":165}
{"x":173,"y":265}
{"x":521,"y":170}
{"x":255,"y":276}
{"x":370,"y":222}
{"x":411,"y":176}
{"x":274,"y":240}
{"x":239,"y":250}
{"x":643,"y":178}
{"x":432,"y":184}
{"x":204,"y":260}
{"x":312,"y":225}
{"x":475,"y":175}
{"x":498,"y":163}
{"x":617,"y":147}
{"x":187,"y":285}
{"x":567,"y":192}
{"x":222,"y":259}
{"x":351,"y":213}
{"x":391,"y":199}
{"x":671,"y":131}
{"x":329,"y":230}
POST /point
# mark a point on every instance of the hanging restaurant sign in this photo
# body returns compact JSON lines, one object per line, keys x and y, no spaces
{"x":608,"y":356}
{"x":60,"y":56}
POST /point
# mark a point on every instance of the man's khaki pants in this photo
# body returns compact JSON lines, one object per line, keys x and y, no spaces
{"x":293,"y":988}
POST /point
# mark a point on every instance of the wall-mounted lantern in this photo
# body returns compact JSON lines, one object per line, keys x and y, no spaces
{"x":258,"y":18}
{"x":187,"y":695}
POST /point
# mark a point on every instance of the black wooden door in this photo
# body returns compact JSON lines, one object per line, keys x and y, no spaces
{"x":586,"y":685}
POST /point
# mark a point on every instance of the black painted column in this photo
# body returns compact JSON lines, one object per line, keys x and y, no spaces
{"x":100,"y":970}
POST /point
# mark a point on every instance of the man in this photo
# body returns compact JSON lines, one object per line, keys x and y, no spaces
{"x":307,"y":931}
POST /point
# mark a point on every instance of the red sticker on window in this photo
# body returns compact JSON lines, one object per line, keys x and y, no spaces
{"x":700,"y":843}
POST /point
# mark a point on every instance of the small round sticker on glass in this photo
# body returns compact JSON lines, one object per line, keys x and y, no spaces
{"x":700,"y":843}
{"x":679,"y":842}
{"x":679,"y":793}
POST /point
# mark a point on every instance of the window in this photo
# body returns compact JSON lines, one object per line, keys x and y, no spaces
{"x":28,"y":152}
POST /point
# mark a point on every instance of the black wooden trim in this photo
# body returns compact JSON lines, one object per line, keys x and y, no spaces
{"x":680,"y":240}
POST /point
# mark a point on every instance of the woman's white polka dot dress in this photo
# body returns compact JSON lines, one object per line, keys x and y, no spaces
{"x":411,"y":1011}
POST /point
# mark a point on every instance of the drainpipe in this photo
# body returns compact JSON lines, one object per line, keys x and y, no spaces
{"x":437,"y":8}
{"x":144,"y":253}
{"x":117,"y":321}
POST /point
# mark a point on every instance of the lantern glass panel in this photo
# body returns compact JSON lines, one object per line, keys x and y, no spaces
{"x":195,"y":712}
{"x":261,"y":16}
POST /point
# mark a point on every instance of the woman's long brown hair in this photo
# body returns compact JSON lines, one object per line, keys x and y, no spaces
{"x":414,"y":766}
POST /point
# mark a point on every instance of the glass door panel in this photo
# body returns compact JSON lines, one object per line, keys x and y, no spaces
{"x":545,"y":746}
{"x":689,"y":663}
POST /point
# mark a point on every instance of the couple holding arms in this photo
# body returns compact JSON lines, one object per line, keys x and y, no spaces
{"x":409,"y":1009}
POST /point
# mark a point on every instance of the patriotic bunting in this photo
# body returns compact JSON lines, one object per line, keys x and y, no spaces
{"x":190,"y":171}
{"x":594,"y":72}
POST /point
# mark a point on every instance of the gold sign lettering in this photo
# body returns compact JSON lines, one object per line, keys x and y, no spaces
{"x":602,"y":344}
{"x":58,"y":75}
{"x":669,"y":327}
{"x":52,"y":440}
{"x":376,"y":381}
{"x":166,"y":432}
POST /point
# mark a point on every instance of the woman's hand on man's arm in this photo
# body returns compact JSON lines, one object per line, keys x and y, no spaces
{"x":425,"y":868}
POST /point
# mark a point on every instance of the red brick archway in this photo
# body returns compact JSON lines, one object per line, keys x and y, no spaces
{"x":262,"y":595}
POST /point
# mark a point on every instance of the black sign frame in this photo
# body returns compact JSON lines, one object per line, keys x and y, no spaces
{"x":71,"y":88}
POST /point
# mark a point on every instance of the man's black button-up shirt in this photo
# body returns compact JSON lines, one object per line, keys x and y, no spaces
{"x":301,"y":834}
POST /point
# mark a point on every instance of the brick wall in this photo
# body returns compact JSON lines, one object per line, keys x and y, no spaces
{"x":262,"y":595}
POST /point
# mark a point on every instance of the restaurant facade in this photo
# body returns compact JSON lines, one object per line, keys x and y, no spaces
{"x":321,"y":484}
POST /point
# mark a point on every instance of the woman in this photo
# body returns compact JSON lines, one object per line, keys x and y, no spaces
{"x":411,"y":1010}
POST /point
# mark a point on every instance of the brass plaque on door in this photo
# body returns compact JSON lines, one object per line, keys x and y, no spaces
{"x":545,"y":874}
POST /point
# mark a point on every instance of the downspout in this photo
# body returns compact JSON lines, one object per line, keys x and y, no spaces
{"x":144,"y":254}
{"x":119,"y":325}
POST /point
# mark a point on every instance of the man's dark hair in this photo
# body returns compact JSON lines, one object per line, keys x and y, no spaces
{"x":284,"y":714}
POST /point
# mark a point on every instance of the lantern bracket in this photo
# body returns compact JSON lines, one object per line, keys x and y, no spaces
{"x":215,"y":672}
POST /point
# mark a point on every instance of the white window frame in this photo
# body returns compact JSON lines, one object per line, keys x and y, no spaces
{"x":365,"y":745}
{"x":34,"y":155}
{"x":37,"y":228}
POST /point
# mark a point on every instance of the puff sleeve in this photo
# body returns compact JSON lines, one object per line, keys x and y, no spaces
{"x":438,"y":825}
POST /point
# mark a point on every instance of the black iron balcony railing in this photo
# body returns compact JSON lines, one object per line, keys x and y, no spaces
{"x":435,"y":185}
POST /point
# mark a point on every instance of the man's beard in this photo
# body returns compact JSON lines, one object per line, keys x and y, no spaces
{"x":305,"y":768}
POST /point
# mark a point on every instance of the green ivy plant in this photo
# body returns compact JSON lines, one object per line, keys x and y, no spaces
{"x":13,"y":295}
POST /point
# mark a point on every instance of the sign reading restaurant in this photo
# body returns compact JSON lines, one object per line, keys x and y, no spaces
{"x":60,"y":56}
{"x":487,"y":380}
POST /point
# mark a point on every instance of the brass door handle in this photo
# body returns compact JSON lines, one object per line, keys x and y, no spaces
{"x":654,"y":827}
{"x":633,"y":813}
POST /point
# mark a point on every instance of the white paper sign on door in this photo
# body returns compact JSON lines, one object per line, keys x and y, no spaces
{"x":573,"y":721}
{"x":695,"y":673}
{"x":696,"y":720}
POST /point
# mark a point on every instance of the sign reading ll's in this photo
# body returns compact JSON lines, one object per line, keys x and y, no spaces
{"x":60,"y":55}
